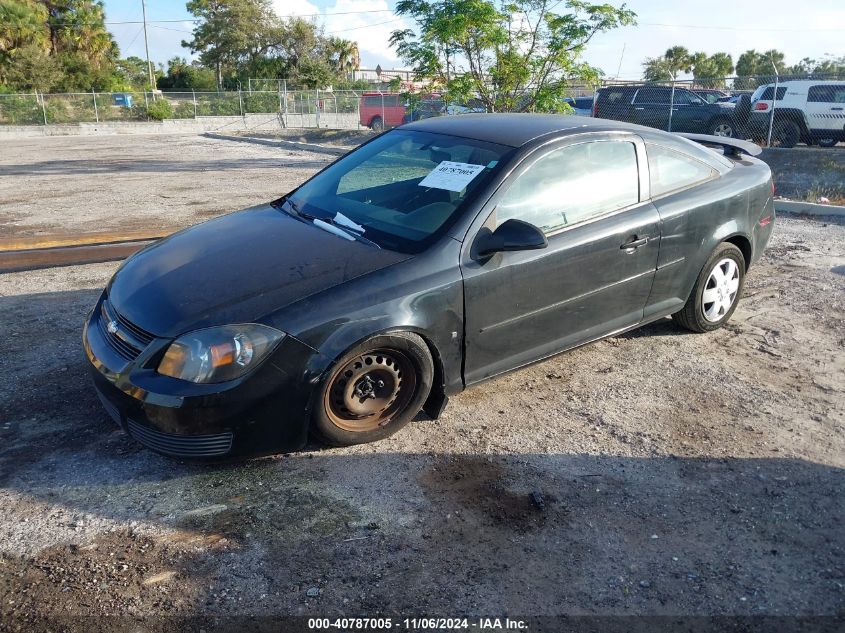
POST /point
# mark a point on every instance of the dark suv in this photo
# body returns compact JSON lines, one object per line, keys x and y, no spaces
{"x":652,"y":105}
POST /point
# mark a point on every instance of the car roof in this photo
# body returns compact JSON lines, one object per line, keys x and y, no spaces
{"x":800,"y":83}
{"x":517,"y":129}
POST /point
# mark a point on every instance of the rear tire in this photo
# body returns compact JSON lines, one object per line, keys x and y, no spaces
{"x":786,"y":134}
{"x":722,"y":127}
{"x":377,"y":124}
{"x":373,"y":390}
{"x":828,"y":142}
{"x":716,"y":292}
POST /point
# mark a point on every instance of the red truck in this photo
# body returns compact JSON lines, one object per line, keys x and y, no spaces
{"x":378,"y":110}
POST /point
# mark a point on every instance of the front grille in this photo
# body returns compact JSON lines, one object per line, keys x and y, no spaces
{"x":129,"y":340}
{"x":181,"y":445}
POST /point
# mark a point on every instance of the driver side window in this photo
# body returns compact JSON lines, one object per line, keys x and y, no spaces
{"x":573,"y":184}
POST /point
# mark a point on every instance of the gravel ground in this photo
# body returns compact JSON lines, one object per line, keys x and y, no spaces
{"x":58,"y":184}
{"x":679,"y":474}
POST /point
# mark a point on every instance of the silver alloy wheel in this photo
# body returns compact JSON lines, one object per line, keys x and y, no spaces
{"x":720,"y":291}
{"x":723,"y":129}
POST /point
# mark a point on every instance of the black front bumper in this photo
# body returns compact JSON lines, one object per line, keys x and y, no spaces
{"x":264,"y":412}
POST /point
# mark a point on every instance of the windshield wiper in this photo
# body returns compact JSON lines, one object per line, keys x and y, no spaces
{"x":338,"y":223}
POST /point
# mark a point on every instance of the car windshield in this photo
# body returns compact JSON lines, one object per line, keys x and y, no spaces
{"x":402,"y":190}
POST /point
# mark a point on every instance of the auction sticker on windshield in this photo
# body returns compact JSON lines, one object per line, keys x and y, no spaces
{"x":451,"y":176}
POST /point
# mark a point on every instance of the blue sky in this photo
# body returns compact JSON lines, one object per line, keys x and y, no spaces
{"x":812,"y":28}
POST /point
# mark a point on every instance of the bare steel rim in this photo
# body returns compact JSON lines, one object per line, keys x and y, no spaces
{"x":721,"y":290}
{"x":370,"y":390}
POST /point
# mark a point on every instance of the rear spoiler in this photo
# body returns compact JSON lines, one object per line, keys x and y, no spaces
{"x":731,"y":146}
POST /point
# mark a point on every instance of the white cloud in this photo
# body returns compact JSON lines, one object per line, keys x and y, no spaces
{"x":371,"y":29}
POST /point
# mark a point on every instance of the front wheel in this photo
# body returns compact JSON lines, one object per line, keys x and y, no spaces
{"x":377,"y":124}
{"x":716,"y":292}
{"x":373,"y":390}
{"x":828,"y":142}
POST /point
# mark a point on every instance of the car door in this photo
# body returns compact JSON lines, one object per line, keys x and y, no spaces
{"x":826,"y":108}
{"x":651,"y":107}
{"x":690,"y":113}
{"x":590,"y":197}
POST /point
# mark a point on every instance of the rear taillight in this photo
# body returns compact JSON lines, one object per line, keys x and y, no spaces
{"x":774,"y":189}
{"x":595,"y":107}
{"x":760,"y":105}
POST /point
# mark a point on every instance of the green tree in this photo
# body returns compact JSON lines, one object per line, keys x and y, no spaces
{"x":184,"y":76}
{"x":39,"y":36}
{"x":515,"y":55}
{"x":32,"y":68}
{"x":657,"y":69}
{"x":711,"y":71}
{"x":754,"y":69}
{"x":678,"y":59}
{"x":344,"y":54}
{"x":229,"y":32}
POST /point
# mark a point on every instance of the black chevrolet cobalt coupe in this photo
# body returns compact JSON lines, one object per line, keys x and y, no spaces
{"x":435,"y":256}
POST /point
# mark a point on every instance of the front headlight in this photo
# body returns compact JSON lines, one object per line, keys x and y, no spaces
{"x":218,"y":354}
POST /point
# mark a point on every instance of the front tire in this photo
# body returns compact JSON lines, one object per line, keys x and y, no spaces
{"x":716,"y":292}
{"x":373,"y":390}
{"x":828,"y":142}
{"x":377,"y":124}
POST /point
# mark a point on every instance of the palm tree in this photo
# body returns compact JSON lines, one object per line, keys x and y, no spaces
{"x":346,"y":54}
{"x":21,"y":23}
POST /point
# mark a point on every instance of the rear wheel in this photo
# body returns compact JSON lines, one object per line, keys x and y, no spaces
{"x":722,"y":127}
{"x":377,"y":124}
{"x":786,"y":134}
{"x":374,"y":390}
{"x":716,"y":292}
{"x":828,"y":142}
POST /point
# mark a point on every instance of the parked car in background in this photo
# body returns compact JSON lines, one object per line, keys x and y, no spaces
{"x":665,"y":108}
{"x":710,"y":95}
{"x":438,"y":255}
{"x":583,"y":106}
{"x":805,"y":111}
{"x":380,"y":110}
{"x":424,"y":109}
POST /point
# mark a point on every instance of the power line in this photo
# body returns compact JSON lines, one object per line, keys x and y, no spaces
{"x":366,"y":26}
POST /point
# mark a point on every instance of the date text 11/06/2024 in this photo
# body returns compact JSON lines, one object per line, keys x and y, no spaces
{"x":480,"y":624}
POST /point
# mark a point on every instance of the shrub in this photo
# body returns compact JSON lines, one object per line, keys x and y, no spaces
{"x":160,"y":109}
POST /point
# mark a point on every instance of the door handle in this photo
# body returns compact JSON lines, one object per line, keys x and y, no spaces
{"x":634,"y":243}
{"x":838,"y":109}
{"x":639,"y":108}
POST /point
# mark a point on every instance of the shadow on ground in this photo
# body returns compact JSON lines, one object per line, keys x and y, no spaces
{"x":95,"y":524}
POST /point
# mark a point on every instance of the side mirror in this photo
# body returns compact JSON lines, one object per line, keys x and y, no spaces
{"x":512,"y":235}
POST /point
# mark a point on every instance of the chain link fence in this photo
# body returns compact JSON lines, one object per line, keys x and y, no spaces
{"x":295,"y":108}
{"x":772,"y":111}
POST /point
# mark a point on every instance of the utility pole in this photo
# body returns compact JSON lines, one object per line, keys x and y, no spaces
{"x":147,"y":48}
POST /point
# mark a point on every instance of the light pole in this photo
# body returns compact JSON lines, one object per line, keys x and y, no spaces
{"x":147,"y":48}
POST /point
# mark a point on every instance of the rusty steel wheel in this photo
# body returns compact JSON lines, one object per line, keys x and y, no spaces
{"x":374,"y":389}
{"x":369,"y":390}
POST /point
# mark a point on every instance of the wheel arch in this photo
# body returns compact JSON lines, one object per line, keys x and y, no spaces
{"x":436,"y":398}
{"x":743,"y":244}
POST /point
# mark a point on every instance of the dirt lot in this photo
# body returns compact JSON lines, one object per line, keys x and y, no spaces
{"x":77,"y":184}
{"x":680,"y":474}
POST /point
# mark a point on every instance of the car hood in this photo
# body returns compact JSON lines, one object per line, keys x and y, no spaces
{"x":236,"y":268}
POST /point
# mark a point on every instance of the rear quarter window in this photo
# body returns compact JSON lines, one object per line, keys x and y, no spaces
{"x":769,"y":91}
{"x":671,"y":170}
{"x":826,"y":94}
